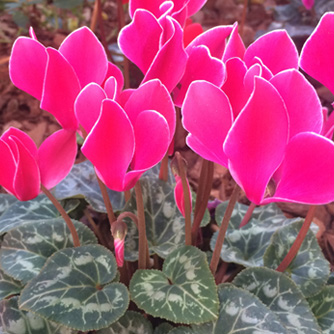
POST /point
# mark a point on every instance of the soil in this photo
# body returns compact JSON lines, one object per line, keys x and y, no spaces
{"x":20,"y":110}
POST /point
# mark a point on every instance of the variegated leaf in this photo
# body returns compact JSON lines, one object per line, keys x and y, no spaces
{"x":38,"y":209}
{"x":75,"y":289}
{"x":309,"y":269}
{"x":15,"y":321}
{"x":8,"y":286}
{"x":322,"y":305}
{"x":25,"y":249}
{"x":6,"y":201}
{"x":184,"y":292}
{"x":82,"y":182}
{"x":243,"y":313}
{"x":282,"y":297}
{"x":130,"y":323}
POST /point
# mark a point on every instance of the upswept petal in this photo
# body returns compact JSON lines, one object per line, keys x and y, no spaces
{"x":26,"y":183}
{"x":234,"y":84}
{"x":88,"y":104}
{"x":169,"y":64}
{"x":207,"y":116}
{"x":56,"y":157}
{"x":190,"y":32}
{"x":149,"y":5}
{"x":200,"y":66}
{"x":249,"y":79}
{"x":235,"y":47}
{"x":265,"y":72}
{"x":275,"y":49}
{"x":306,"y":171}
{"x":152,"y":95}
{"x":7,"y":167}
{"x":139,"y":40}
{"x":214,"y":39}
{"x":256,"y":143}
{"x":179,"y":195}
{"x":316,"y":58}
{"x":86,"y":55}
{"x":110,"y":145}
{"x":23,"y":137}
{"x":60,"y":91}
{"x":32,"y":33}
{"x":194,"y":6}
{"x":110,"y":87}
{"x":151,"y":140}
{"x":114,"y":71}
{"x":27,"y":66}
{"x":302,"y":101}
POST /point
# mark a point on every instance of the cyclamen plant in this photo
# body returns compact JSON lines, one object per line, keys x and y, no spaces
{"x":248,"y":109}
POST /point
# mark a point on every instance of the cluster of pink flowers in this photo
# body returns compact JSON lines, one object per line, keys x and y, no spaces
{"x":248,"y":109}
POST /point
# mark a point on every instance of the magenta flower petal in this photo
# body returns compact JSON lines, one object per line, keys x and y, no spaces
{"x":300,"y":99}
{"x":265,"y":72}
{"x":169,"y":64}
{"x":214,"y":39}
{"x":179,"y":195}
{"x":27,"y":66}
{"x":316,"y":58}
{"x":60,"y":91}
{"x":194,"y":6}
{"x":114,"y":71}
{"x":56,"y":157}
{"x":88,"y":105}
{"x":139,"y":40}
{"x":152,"y":96}
{"x":86,"y":55}
{"x":235,"y":46}
{"x":275,"y":49}
{"x":149,"y":5}
{"x":328,"y":125}
{"x":306,"y":171}
{"x":207,"y":116}
{"x":200,"y":66}
{"x":249,"y":79}
{"x":7,"y":167}
{"x":234,"y":84}
{"x":151,"y":140}
{"x":110,"y":87}
{"x":26,"y":183}
{"x":110,"y":145}
{"x":256,"y":143}
{"x":190,"y":32}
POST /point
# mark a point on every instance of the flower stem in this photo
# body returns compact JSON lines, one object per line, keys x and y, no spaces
{"x":203,"y":194}
{"x":106,"y":200}
{"x":223,"y":229}
{"x":299,"y":240}
{"x":248,"y":215}
{"x":69,"y":223}
{"x":186,"y":194}
{"x":163,"y":174}
{"x":243,"y":18}
{"x":141,"y":227}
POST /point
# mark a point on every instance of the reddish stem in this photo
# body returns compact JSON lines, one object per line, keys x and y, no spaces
{"x":163,"y":173}
{"x":299,"y":240}
{"x":248,"y":215}
{"x":243,"y":18}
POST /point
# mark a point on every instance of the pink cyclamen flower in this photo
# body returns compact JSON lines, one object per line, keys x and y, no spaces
{"x":268,"y":145}
{"x":24,"y":168}
{"x":316,"y":58}
{"x":124,"y":140}
{"x":55,"y":77}
{"x":179,"y":195}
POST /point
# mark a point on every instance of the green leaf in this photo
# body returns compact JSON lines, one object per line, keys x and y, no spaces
{"x":243,"y":313}
{"x":181,"y":330}
{"x":6,"y":201}
{"x":247,"y":245}
{"x":130,"y":323}
{"x":8,"y":286}
{"x":15,"y":321}
{"x":163,"y":328}
{"x":25,"y":249}
{"x":38,"y":209}
{"x":184,"y":292}
{"x":322,"y":306}
{"x":164,"y":222}
{"x":282,"y":296}
{"x":75,"y":289}
{"x":81,"y":181}
{"x":309,"y":269}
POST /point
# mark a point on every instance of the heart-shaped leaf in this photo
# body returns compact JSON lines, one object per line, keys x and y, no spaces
{"x":75,"y":289}
{"x":309,"y":269}
{"x":38,"y":209}
{"x":15,"y":321}
{"x":282,"y":296}
{"x":322,"y":305}
{"x":184,"y":292}
{"x":8,"y":286}
{"x":82,"y":181}
{"x":25,"y":249}
{"x":130,"y":323}
{"x":243,"y":313}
